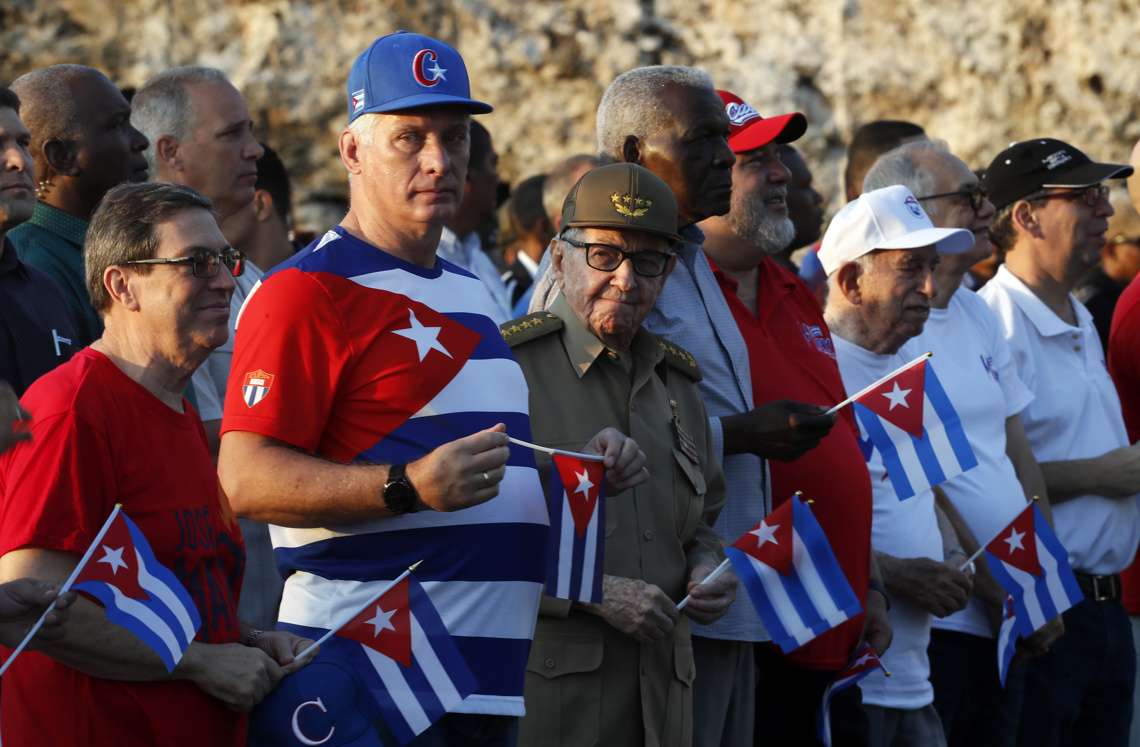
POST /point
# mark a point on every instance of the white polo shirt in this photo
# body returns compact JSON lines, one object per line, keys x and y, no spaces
{"x":976,"y":369}
{"x":1075,"y":415}
{"x":903,"y":529}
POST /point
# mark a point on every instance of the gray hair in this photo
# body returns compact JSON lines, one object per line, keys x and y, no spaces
{"x":162,"y":106}
{"x":632,"y":103}
{"x":49,"y":109}
{"x":906,"y":165}
{"x":123,"y":229}
{"x":558,"y":183}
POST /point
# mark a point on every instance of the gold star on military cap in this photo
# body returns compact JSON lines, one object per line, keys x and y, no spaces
{"x":622,"y":196}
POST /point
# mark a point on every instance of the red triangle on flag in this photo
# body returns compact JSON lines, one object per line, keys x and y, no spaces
{"x":770,"y":541}
{"x":1017,"y":543}
{"x":115,"y":562}
{"x":582,"y":481}
{"x":385,"y":625}
{"x":899,"y":400}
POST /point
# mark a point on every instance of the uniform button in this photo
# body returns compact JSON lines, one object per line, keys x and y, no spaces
{"x":549,"y":663}
{"x":648,"y":535}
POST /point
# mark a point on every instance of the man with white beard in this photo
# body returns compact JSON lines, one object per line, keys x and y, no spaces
{"x":792,"y":357}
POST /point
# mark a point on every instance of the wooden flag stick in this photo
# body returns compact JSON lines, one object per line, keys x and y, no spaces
{"x":879,"y":382}
{"x":63,"y":589}
{"x":548,"y":450}
{"x":716,"y":573}
{"x":313,"y":647}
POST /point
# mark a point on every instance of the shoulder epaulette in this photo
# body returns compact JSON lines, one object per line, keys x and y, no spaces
{"x":530,"y":327}
{"x":679,"y":358}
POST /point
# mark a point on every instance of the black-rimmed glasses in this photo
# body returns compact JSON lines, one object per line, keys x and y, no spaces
{"x":976,"y":195}
{"x":204,"y":263}
{"x":1092,"y":196}
{"x":607,"y":258}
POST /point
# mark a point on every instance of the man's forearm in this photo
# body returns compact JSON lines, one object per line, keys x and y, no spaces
{"x":736,"y":434}
{"x":270,"y":482}
{"x":1072,"y":478}
{"x":1025,"y":465}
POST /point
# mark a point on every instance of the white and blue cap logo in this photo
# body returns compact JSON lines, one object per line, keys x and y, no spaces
{"x":407,"y":71}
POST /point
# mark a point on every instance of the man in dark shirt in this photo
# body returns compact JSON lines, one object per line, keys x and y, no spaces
{"x":36,"y":329}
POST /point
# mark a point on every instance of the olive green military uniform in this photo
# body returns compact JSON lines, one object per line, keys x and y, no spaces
{"x":587,"y":683}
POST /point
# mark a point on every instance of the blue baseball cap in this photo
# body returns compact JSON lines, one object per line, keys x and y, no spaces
{"x":323,"y":703}
{"x":405,"y":71}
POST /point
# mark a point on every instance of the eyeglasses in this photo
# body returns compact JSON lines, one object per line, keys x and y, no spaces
{"x":608,"y":258}
{"x":1123,"y":239}
{"x":1092,"y":196}
{"x":204,"y":263}
{"x":976,"y":195}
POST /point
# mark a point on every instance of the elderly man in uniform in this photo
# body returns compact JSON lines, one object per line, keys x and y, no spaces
{"x":620,"y":672}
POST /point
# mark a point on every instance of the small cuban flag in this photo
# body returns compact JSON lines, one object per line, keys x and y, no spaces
{"x":1012,"y":629}
{"x":1032,"y":566}
{"x":862,"y":664}
{"x":577,"y":523}
{"x":911,"y":421}
{"x":401,"y":650}
{"x":792,"y":576}
{"x":138,"y":592}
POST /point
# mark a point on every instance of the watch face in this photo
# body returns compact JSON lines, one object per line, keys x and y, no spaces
{"x":399,"y":495}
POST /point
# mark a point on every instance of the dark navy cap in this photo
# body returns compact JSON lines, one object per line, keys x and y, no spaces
{"x":1027,"y":167}
{"x":406,"y":71}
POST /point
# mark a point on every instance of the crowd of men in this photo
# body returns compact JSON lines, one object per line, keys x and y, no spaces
{"x":292,"y":427}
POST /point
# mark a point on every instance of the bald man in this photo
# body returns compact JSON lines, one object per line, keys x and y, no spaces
{"x":82,"y":145}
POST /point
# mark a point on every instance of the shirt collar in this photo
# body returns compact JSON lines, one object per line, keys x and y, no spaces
{"x":8,"y":260}
{"x":1048,"y":324}
{"x":64,"y":225}
{"x":529,"y":264}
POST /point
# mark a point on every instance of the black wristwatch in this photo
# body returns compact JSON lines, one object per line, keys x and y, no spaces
{"x":399,"y":495}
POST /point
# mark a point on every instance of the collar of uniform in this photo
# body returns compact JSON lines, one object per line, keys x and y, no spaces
{"x":64,"y":225}
{"x":1048,"y":324}
{"x":582,"y":347}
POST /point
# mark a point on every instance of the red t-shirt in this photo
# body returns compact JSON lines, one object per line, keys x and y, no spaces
{"x":98,"y":438}
{"x":791,"y":356}
{"x":1124,"y":367}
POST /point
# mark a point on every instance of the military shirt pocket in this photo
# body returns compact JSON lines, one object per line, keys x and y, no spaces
{"x":564,"y":689}
{"x":679,"y":710}
{"x":689,"y":493}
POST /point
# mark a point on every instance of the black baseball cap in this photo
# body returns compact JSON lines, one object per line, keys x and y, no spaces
{"x":1041,"y":163}
{"x":622,"y":196}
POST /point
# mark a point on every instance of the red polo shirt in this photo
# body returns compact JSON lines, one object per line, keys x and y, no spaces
{"x":1124,"y":366}
{"x":791,"y":356}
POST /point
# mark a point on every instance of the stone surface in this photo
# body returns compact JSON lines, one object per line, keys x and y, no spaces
{"x":975,"y":74}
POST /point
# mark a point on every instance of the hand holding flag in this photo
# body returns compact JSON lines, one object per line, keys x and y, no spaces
{"x":862,"y":664}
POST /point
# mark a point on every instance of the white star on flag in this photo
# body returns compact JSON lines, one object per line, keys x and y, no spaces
{"x":1014,"y":540}
{"x":437,"y":72}
{"x":584,"y":483}
{"x":425,"y":338}
{"x":765,"y":534}
{"x":897,"y":396}
{"x":113,"y":558}
{"x":861,"y":661}
{"x":381,"y":621}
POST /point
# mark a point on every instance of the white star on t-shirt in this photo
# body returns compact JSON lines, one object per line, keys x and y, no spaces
{"x":381,"y":621}
{"x":113,"y":558}
{"x":1014,"y":540}
{"x":584,"y":483}
{"x":897,"y":396}
{"x":426,"y":338}
{"x":765,"y":534}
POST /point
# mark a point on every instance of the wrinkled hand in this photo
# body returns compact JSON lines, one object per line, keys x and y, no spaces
{"x":783,"y":430}
{"x":931,"y":584}
{"x":877,"y":630}
{"x":625,"y":461}
{"x":13,"y":419}
{"x":1120,"y":472}
{"x":283,"y":647}
{"x":636,"y":608}
{"x":708,"y":602}
{"x":462,"y":473}
{"x":1041,"y":641}
{"x":22,"y":601}
{"x":239,"y":676}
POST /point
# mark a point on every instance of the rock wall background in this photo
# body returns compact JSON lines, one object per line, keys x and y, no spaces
{"x":975,"y":74}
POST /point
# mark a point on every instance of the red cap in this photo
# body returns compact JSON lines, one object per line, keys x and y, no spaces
{"x":749,"y":131}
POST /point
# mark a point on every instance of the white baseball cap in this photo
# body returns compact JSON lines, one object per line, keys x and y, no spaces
{"x":887,"y":218}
